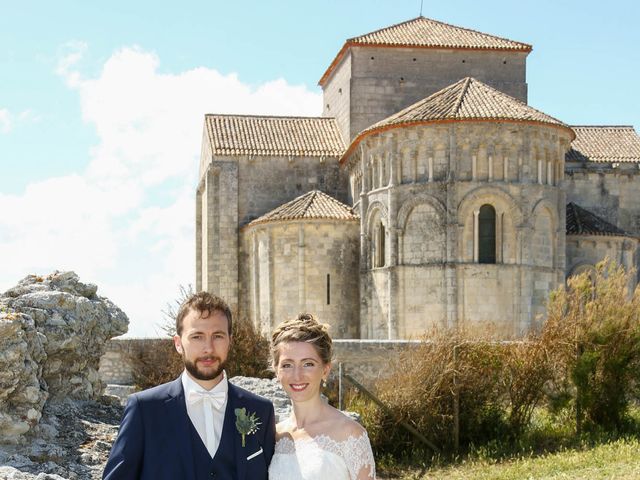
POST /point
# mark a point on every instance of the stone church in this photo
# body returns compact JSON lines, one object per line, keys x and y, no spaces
{"x":428,"y":194}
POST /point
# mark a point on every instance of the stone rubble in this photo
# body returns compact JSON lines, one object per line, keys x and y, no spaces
{"x":268,"y":388}
{"x":53,"y":331}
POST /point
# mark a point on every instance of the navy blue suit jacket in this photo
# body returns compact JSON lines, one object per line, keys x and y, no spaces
{"x":154,"y":440}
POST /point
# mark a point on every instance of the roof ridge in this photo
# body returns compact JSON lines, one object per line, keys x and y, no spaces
{"x":440,"y":23}
{"x":241,"y":115}
{"x":602,"y":126}
{"x":312,"y":195}
{"x":465,"y":87}
{"x":576,"y":216}
{"x":385,"y":28}
{"x":517,"y":100}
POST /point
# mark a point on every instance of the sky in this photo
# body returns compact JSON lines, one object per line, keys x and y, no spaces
{"x":102,"y":106}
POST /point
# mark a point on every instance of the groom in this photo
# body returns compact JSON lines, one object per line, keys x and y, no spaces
{"x":198,"y":426}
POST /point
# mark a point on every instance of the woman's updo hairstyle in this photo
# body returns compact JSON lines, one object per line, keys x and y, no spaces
{"x":304,"y":328}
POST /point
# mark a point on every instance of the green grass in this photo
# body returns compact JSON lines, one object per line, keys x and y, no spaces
{"x":619,"y":459}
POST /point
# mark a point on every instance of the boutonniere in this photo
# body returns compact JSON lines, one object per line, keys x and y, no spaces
{"x":246,"y":424}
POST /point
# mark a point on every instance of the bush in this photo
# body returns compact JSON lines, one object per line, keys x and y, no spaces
{"x":421,"y":391}
{"x":153,"y":362}
{"x":602,"y":351}
{"x":250,"y":354}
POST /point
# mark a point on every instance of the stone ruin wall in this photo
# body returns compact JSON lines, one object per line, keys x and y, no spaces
{"x":365,"y":360}
{"x":53,"y":330}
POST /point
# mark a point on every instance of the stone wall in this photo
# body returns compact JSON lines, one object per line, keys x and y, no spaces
{"x":288,"y":267}
{"x":611,"y":193}
{"x":383,"y":81}
{"x":365,"y":360}
{"x":585,"y":251}
{"x":115,"y":367}
{"x":421,"y":191}
{"x":233,"y":191}
{"x":337,"y":96}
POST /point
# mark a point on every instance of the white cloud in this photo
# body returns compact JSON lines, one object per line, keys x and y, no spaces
{"x":9,"y":120}
{"x":5,"y":120}
{"x":127,"y":221}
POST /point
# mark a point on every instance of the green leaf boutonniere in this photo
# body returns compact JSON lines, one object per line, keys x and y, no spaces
{"x":246,"y":424}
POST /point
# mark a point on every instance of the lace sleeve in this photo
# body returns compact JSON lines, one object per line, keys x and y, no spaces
{"x":359,"y":458}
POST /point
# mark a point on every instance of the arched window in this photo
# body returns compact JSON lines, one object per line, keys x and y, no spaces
{"x":379,"y":257}
{"x":487,"y":234}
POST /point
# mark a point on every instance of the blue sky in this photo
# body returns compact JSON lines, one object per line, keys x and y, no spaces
{"x":101,"y":108}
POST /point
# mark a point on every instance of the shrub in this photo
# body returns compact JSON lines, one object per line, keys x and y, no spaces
{"x":602,"y":350}
{"x":153,"y":362}
{"x":422,"y":388}
{"x":250,"y":354}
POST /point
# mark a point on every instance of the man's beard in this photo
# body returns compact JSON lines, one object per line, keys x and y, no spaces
{"x":198,"y":374}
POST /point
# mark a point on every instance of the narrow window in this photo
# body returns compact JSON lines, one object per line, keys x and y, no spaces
{"x":378,"y":246}
{"x":328,"y":289}
{"x":487,"y":235}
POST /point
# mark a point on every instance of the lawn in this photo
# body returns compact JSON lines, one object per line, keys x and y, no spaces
{"x":615,"y":460}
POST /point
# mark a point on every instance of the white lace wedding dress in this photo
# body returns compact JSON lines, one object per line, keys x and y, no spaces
{"x":323,"y":458}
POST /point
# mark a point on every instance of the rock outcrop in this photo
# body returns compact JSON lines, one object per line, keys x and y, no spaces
{"x":52,"y":334}
{"x":269,"y":389}
{"x":22,"y":391}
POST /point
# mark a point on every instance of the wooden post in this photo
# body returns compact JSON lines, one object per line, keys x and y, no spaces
{"x":340,"y":392}
{"x":578,"y":397}
{"x":456,"y":401}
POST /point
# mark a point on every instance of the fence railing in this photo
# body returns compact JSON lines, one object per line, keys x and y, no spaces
{"x":411,"y":429}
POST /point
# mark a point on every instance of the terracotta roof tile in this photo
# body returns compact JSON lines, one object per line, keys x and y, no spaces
{"x":604,"y":144}
{"x":311,"y":205}
{"x":423,"y":32}
{"x":274,"y":136}
{"x":466,"y":100}
{"x":583,"y":222}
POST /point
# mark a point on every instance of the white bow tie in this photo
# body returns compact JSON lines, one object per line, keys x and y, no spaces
{"x":215,"y":399}
{"x":210,"y":401}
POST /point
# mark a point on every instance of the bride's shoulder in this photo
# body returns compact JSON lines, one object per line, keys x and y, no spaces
{"x":283,"y":429}
{"x":341,"y":427}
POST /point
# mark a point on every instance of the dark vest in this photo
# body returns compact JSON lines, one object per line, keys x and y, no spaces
{"x":220,"y":467}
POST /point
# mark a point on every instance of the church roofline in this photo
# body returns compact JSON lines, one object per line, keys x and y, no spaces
{"x":270,"y":135}
{"x":385,"y":128}
{"x":404,"y":40}
{"x":582,"y":222}
{"x":314,"y":205}
{"x":604,"y":144}
{"x":467,"y":100}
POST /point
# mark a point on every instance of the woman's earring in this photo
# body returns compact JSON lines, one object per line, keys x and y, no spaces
{"x":324,"y":383}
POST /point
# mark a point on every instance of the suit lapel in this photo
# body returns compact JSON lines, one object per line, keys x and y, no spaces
{"x":178,"y":421}
{"x":241,"y":459}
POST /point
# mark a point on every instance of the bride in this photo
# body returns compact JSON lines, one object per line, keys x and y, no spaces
{"x":317,"y":442}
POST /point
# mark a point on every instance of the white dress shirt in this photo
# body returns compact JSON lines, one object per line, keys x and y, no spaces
{"x":197,"y":414}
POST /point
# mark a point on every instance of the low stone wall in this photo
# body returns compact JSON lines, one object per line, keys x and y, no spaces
{"x":368,"y":360}
{"x":365,"y":360}
{"x":115,"y":365}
